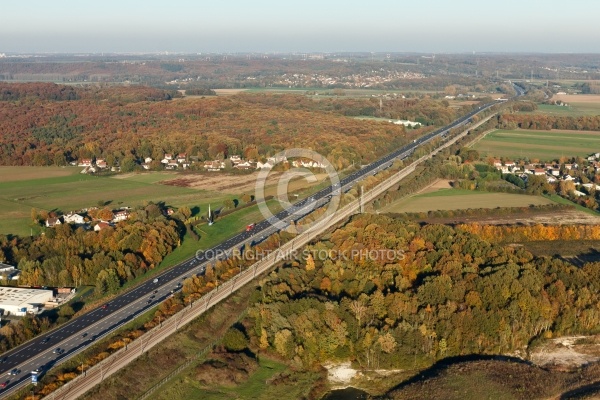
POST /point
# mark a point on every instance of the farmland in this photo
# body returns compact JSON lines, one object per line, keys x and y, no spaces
{"x":542,"y":145}
{"x":45,"y":190}
{"x":65,"y":189}
{"x":457,"y":199}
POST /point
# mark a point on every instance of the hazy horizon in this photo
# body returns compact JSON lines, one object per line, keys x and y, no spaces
{"x":183,"y":26}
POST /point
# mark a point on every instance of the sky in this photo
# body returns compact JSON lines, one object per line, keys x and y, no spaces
{"x":201,"y":26}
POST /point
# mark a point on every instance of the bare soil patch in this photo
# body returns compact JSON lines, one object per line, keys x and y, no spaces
{"x":567,"y":217}
{"x":435,"y":186}
{"x":236,"y":184}
{"x":228,"y":92}
{"x":568,"y":352}
{"x":577,"y":98}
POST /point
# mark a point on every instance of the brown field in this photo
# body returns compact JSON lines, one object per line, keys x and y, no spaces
{"x":423,"y":203}
{"x":228,"y":92}
{"x":236,"y":184}
{"x":11,"y":174}
{"x":527,"y":218}
{"x":577,"y":98}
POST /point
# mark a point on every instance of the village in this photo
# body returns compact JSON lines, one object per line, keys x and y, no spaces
{"x":579,"y":178}
{"x":90,"y":218}
{"x":182,"y":161}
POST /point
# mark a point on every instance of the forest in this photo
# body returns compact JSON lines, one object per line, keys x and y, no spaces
{"x":453,"y":292}
{"x":68,"y":256}
{"x":547,"y":122}
{"x":47,"y":124}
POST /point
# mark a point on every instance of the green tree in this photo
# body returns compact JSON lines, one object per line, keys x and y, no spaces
{"x":235,"y":340}
{"x":128,"y":164}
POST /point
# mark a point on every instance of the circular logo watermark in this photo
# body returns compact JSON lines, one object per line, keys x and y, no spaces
{"x":301,"y":163}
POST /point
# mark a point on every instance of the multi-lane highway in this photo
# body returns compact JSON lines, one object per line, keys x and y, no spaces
{"x":51,"y":348}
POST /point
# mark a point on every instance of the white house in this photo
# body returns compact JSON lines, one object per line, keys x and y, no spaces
{"x":266,"y":165}
{"x":101,"y":225}
{"x":85,"y":162}
{"x":101,"y":163}
{"x":181,"y":157}
{"x":243,"y":165}
{"x":172,"y":164}
{"x":50,"y":222}
{"x":73,"y":218}
{"x":120,"y":216}
{"x":148,"y":160}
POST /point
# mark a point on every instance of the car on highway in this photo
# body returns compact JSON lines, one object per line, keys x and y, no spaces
{"x":155,"y":280}
{"x":84,"y":335}
{"x":3,"y":385}
{"x":104,"y":307}
{"x":46,"y":340}
{"x":149,"y":301}
{"x":14,"y":371}
{"x":156,"y":291}
{"x":56,"y":350}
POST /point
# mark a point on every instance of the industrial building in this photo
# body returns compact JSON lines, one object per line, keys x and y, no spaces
{"x":19,"y":300}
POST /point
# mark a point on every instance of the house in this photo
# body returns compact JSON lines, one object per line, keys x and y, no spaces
{"x":172,"y":164}
{"x":146,"y":166}
{"x":235,"y":159}
{"x":168,"y":156}
{"x":101,"y":163}
{"x":539,"y":171}
{"x":121,"y":215}
{"x":215,"y":165}
{"x":101,"y":225}
{"x":148,"y":160}
{"x":554,"y":171}
{"x":510,"y":164}
{"x":85,"y":162}
{"x":578,"y":193}
{"x":569,"y":166}
{"x":181,"y":157}
{"x":73,"y":218}
{"x":267,"y":165}
{"x":551,"y":179}
{"x":51,"y":222}
{"x":568,"y":178}
{"x":497,"y":163}
{"x":243,"y":165}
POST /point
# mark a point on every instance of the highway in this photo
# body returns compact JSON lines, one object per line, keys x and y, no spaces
{"x":49,"y":349}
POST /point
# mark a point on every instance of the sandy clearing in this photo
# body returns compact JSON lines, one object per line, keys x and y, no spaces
{"x":341,"y":373}
{"x":567,"y":351}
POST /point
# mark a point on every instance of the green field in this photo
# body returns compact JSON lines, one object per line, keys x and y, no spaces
{"x":542,"y":145}
{"x":457,"y":199}
{"x":74,"y":191}
{"x":572,"y":110}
